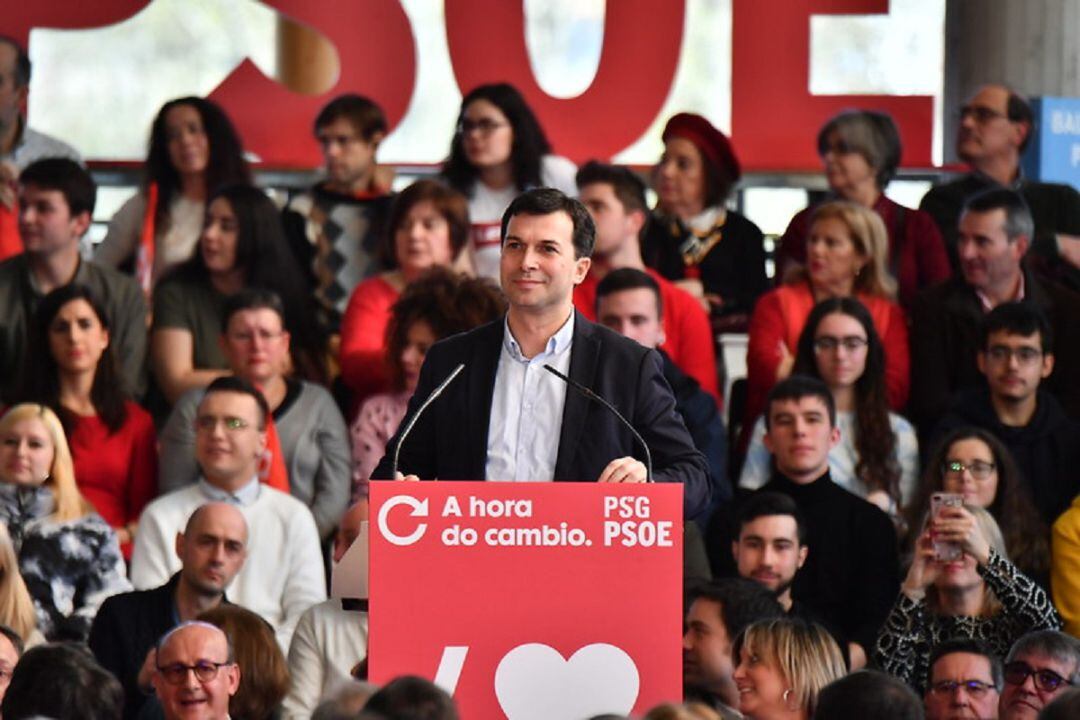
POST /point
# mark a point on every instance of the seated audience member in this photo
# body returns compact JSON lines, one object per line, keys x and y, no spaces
{"x":979,"y":595}
{"x":498,"y":151}
{"x":718,"y":613}
{"x":996,"y":124}
{"x":61,"y":681}
{"x":283,"y":573}
{"x":782,"y":666}
{"x":312,"y":439}
{"x":17,"y":612}
{"x":965,"y":681}
{"x":995,"y":233}
{"x":1065,"y":706}
{"x":194,"y":666}
{"x":264,"y":675}
{"x":194,"y":150}
{"x":693,"y":239}
{"x":56,"y":204}
{"x":877,"y":457}
{"x":347,"y":703}
{"x":242,"y":245}
{"x":974,"y":463}
{"x":335,"y":228}
{"x":409,"y":696}
{"x":11,"y":649}
{"x":1016,"y":354}
{"x":331,"y":637}
{"x":428,"y":227}
{"x":439,"y":304}
{"x":113,"y":441}
{"x":68,"y":554}
{"x":860,"y":150}
{"x":1065,"y":567}
{"x":629,"y":301}
{"x":1040,"y":667}
{"x":211,"y":549}
{"x":847,"y":251}
{"x":868,"y":695}
{"x":850,"y":576}
{"x":615,"y":197}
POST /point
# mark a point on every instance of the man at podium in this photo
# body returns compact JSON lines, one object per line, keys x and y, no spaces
{"x":511,"y":413}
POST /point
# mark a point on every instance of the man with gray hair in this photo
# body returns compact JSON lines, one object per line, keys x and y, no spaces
{"x":1040,"y":666}
{"x":195,"y":673}
{"x":995,"y":232}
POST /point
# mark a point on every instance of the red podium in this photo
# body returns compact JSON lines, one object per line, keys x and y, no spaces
{"x":529,"y":601}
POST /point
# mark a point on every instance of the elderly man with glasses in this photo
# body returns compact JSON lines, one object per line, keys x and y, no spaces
{"x":1040,"y":666}
{"x":965,"y":680}
{"x":195,"y":674}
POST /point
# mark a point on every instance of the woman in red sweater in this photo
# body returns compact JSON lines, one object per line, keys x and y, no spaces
{"x":846,"y":256}
{"x":428,"y":227}
{"x":113,"y":443}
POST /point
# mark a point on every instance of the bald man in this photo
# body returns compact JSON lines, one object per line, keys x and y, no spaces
{"x":195,"y":673}
{"x":211,"y":548}
{"x":995,"y":126}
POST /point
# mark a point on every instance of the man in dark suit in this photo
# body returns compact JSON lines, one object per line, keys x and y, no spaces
{"x":212,"y":549}
{"x":507,"y":417}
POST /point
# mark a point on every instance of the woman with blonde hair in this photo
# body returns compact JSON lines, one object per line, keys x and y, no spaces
{"x":68,"y":555}
{"x":781,"y":666}
{"x":977,"y":593}
{"x":16,"y":607}
{"x":846,"y":251}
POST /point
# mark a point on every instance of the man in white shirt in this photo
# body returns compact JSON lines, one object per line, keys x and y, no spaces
{"x":283,"y":574}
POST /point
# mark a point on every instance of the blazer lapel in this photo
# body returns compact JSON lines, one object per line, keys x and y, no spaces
{"x":584,"y":353}
{"x":483,"y":365}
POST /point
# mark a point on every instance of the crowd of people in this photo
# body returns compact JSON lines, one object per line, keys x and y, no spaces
{"x":194,"y":409}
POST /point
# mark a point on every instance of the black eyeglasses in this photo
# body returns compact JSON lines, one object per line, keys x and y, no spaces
{"x":974,"y":688}
{"x":980,"y":113}
{"x":205,"y":671}
{"x":1016,"y":673}
{"x":979,"y":469}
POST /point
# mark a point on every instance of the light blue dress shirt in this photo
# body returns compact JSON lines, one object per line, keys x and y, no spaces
{"x":244,"y":496}
{"x":527,"y":409}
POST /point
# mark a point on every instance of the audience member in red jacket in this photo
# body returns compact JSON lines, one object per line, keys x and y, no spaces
{"x":112,"y":440}
{"x":846,"y":253}
{"x":616,"y":199}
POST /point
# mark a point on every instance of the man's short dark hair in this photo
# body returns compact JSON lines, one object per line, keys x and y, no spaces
{"x":364,"y":114}
{"x":252,"y":298}
{"x":1017,"y":109}
{"x":1017,"y":318}
{"x":68,"y":177}
{"x":970,"y":647}
{"x":14,"y":638}
{"x":742,"y":602}
{"x":765,"y":504}
{"x":868,"y":694}
{"x":22,"y":61}
{"x":1018,"y":221}
{"x":1053,"y":644}
{"x":797,"y":387}
{"x":234,"y":384}
{"x":62,"y":681}
{"x":412,"y":698}
{"x":624,"y":182}
{"x":629,"y":279}
{"x":545,"y":201}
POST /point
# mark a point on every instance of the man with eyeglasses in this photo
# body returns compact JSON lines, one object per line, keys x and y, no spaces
{"x":964,"y":681}
{"x":996,"y":229}
{"x":311,"y":435}
{"x":1039,"y":667}
{"x":1016,"y":355}
{"x":994,"y":127}
{"x":195,"y":674}
{"x":283,"y":573}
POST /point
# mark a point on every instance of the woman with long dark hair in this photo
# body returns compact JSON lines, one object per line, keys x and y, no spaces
{"x":878,"y":454}
{"x":242,"y":245}
{"x":498,"y":151}
{"x":194,"y":150}
{"x":112,"y":439}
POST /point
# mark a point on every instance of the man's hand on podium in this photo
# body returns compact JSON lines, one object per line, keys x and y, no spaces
{"x":406,"y":478}
{"x":624,"y":470}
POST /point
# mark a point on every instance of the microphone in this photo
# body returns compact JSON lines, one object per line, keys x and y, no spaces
{"x":416,"y":416}
{"x":593,"y":396}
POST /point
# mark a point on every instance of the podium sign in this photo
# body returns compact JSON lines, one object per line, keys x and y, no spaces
{"x":529,"y":601}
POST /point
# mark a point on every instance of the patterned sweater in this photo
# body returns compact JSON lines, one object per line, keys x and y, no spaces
{"x":69,"y":567}
{"x":912,"y":631}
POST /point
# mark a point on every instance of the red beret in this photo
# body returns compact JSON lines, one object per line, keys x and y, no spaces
{"x":710,"y":142}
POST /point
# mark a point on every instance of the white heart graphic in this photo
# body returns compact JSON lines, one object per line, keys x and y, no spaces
{"x":535,"y":682}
